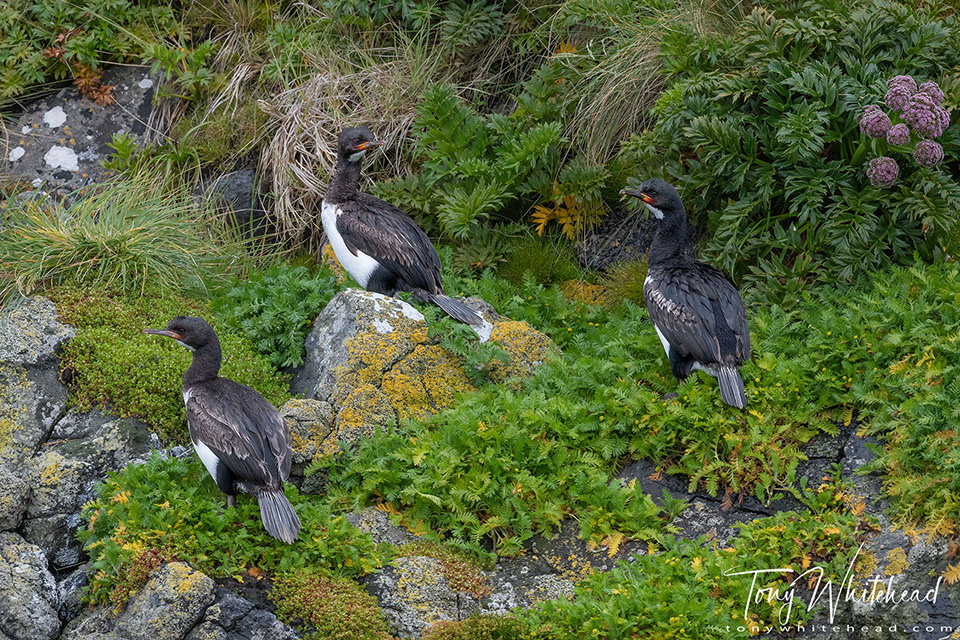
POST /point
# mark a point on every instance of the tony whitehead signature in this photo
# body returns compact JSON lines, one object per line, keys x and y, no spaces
{"x":876,"y":590}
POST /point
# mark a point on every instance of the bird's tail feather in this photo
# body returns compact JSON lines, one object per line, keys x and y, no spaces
{"x":278,"y":516}
{"x":456,"y":309}
{"x":731,"y":387}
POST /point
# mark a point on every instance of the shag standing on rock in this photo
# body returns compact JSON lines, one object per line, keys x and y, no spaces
{"x":695,"y":309}
{"x":238,"y":435}
{"x":379,"y":245}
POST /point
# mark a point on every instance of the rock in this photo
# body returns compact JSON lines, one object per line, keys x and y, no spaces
{"x":28,"y":591}
{"x":71,"y":593}
{"x":368,"y":356}
{"x":240,"y":194}
{"x":63,"y":474}
{"x":377,"y":524}
{"x":523,"y":581}
{"x":169,"y":605}
{"x":60,"y":143}
{"x":310,"y":423}
{"x":231,"y":617}
{"x":413,"y":594}
{"x":32,"y":398}
{"x":178,"y":603}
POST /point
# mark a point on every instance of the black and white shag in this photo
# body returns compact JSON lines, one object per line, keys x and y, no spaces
{"x":238,"y":435}
{"x":697,"y":312}
{"x":379,"y":245}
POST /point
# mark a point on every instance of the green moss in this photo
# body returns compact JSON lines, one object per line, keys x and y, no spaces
{"x":547,"y":260}
{"x":462,"y":571}
{"x":328,"y":608}
{"x":479,"y":627}
{"x":111,"y":365}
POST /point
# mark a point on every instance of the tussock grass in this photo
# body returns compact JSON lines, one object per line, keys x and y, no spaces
{"x":126,"y":235}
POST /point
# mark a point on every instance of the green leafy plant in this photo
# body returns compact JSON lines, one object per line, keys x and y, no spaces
{"x":327,"y":607}
{"x":187,"y":69}
{"x":759,"y":129}
{"x":478,"y":627}
{"x":173,"y":505}
{"x":274,"y":309}
{"x":126,"y":153}
{"x":110,"y":365}
{"x":45,"y":40}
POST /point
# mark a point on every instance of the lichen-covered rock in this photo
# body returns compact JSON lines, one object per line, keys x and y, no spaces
{"x":413,"y":594}
{"x":370,"y":358}
{"x":60,"y":142}
{"x":71,"y":592}
{"x":13,"y":498}
{"x":62,"y":477}
{"x":231,"y":617}
{"x":377,"y":524}
{"x":310,"y":423}
{"x":32,"y":398}
{"x":169,"y":605}
{"x":28,"y":591}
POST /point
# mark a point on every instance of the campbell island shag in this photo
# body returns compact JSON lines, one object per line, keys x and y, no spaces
{"x":696,"y":311}
{"x":379,"y":245}
{"x":238,"y":435}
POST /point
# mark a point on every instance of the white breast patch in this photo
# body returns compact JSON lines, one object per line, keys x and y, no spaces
{"x":360,"y":266}
{"x":663,"y":340}
{"x":207,"y":457}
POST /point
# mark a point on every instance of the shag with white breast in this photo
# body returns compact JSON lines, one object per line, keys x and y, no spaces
{"x":379,"y":245}
{"x":238,"y":435}
{"x":696,"y":311}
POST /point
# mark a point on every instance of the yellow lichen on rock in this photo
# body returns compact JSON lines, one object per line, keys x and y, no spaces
{"x":424,"y":382}
{"x":330,"y":259}
{"x":526,"y":346}
{"x":373,"y":352}
{"x":364,"y":410}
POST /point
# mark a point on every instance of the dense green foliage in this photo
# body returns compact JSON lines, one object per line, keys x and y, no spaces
{"x":683,"y":593}
{"x":111,"y":365}
{"x":328,"y":608}
{"x":174,"y":508}
{"x":759,"y":131}
{"x":274,"y":309}
{"x":478,"y":627}
{"x":89,"y":34}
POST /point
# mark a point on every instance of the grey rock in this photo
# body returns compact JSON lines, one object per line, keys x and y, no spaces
{"x":95,"y":625}
{"x":623,"y":236}
{"x":62,"y":478}
{"x":348,"y":313}
{"x":32,"y":398}
{"x":413,"y":594}
{"x":227,"y":609}
{"x":71,"y":592}
{"x":241,"y":197}
{"x":28,"y":591}
{"x":310,"y":423}
{"x":261,"y":625}
{"x":378,"y":525}
{"x":169,"y":605}
{"x":60,"y":143}
{"x":13,"y":497}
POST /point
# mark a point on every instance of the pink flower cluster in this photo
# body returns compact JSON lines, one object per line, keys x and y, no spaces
{"x":919,"y":110}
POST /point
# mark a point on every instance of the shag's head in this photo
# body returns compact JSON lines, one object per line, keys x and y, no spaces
{"x":193,"y":333}
{"x":354,"y":143}
{"x":659,"y":196}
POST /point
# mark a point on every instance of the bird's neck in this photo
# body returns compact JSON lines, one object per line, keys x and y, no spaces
{"x":344,"y":184}
{"x":205,"y":365}
{"x":671,"y":238}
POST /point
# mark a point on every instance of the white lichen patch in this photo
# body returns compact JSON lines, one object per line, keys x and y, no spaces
{"x":16,"y":153}
{"x":146,"y":83}
{"x":55,"y":117}
{"x":382,"y":326}
{"x":61,"y":158}
{"x":25,"y":129}
{"x":37,"y":182}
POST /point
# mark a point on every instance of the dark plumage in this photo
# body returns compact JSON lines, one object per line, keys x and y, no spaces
{"x":238,"y":435}
{"x":695,"y":309}
{"x":379,"y":245}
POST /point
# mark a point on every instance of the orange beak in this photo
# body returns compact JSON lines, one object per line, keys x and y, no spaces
{"x":638,"y":194}
{"x":163,"y":332}
{"x":371,"y":143}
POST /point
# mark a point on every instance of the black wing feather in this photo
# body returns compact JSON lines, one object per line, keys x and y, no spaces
{"x":242,"y":428}
{"x":681,"y":303}
{"x":392,"y":238}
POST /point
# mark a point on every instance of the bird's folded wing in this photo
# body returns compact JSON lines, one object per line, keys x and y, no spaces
{"x":392,"y":238}
{"x":244,"y":431}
